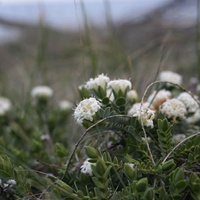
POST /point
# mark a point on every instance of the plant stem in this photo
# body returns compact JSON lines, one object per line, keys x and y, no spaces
{"x":198,"y":38}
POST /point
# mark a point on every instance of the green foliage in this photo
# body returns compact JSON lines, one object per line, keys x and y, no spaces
{"x":119,"y":156}
{"x":164,"y":136}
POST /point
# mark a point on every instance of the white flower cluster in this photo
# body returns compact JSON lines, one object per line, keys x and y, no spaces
{"x":170,"y":76}
{"x":194,"y":118}
{"x":5,"y":106}
{"x":132,"y":95}
{"x":145,"y":114}
{"x":10,"y":183}
{"x":86,"y":109}
{"x":157,"y":98}
{"x":65,"y":105}
{"x":120,"y":84}
{"x":109,"y":86}
{"x":41,"y":92}
{"x":86,"y":167}
{"x":188,"y":101}
{"x":133,"y":110}
{"x":173,"y":109}
{"x":100,"y":81}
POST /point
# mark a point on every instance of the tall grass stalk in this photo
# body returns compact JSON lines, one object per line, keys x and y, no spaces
{"x":198,"y":38}
{"x":120,"y":54}
{"x":42,"y":46}
{"x":89,"y":47}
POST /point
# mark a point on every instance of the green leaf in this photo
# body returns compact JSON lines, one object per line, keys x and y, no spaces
{"x":141,"y":185}
{"x":61,"y":151}
{"x":178,"y":175}
{"x":164,"y":136}
{"x":120,"y":101}
{"x":130,"y":172}
{"x":168,"y":166}
{"x":181,"y":185}
{"x":97,"y":183}
{"x":91,"y":152}
{"x":105,"y":101}
{"x":100,"y":167}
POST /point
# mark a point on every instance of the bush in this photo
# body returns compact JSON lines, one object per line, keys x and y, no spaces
{"x":132,"y":148}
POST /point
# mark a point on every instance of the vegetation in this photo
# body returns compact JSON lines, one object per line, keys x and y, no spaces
{"x":91,"y":116}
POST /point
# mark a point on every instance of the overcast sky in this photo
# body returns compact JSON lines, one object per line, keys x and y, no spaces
{"x":45,"y":1}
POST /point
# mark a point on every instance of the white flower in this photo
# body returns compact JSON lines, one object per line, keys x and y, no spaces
{"x":101,"y":80}
{"x":109,"y":94}
{"x":178,"y":138}
{"x":171,"y":77}
{"x":133,"y":110}
{"x":11,"y":182}
{"x":86,"y":167}
{"x":86,"y":109}
{"x":65,"y":105}
{"x":188,"y":101}
{"x":132,"y":95}
{"x":5,"y":106}
{"x":143,"y":113}
{"x":173,"y":108}
{"x":45,"y":137}
{"x":41,"y":91}
{"x":120,"y":84}
{"x":194,"y":118}
{"x":157,"y":98}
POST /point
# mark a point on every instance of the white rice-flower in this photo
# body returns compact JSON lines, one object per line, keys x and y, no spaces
{"x":100,"y":81}
{"x":41,"y":92}
{"x":157,"y":98}
{"x":120,"y":84}
{"x":188,"y":101}
{"x":170,"y":77}
{"x":65,"y":105}
{"x":5,"y":106}
{"x":133,"y":110}
{"x":173,"y":108}
{"x":11,"y":182}
{"x":86,"y":109}
{"x":143,"y":113}
{"x":109,"y":94}
{"x":132,"y":95}
{"x":86,"y":167}
{"x":194,"y":118}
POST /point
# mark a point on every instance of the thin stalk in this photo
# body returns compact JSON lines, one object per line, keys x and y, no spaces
{"x":198,"y":38}
{"x":83,"y":135}
{"x":92,"y":54}
{"x":49,"y":143}
{"x":191,"y":136}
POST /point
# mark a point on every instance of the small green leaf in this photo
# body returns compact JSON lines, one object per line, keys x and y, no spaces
{"x":120,"y":101}
{"x":105,"y":101}
{"x":60,"y":150}
{"x":168,"y":166}
{"x":178,"y":175}
{"x":141,"y":185}
{"x":91,"y":152}
{"x":97,"y":183}
{"x":130,"y":172}
{"x":100,"y":167}
{"x":181,"y":185}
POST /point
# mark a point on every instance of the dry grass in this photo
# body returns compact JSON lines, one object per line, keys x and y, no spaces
{"x":64,"y":60}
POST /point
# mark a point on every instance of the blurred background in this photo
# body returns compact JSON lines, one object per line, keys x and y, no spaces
{"x":62,"y":43}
